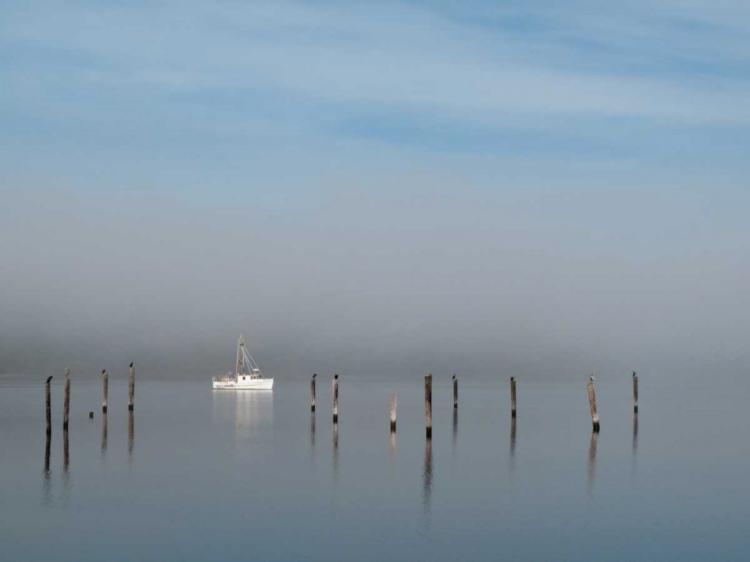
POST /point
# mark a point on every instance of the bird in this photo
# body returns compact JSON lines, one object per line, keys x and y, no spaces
{"x":104,"y":371}
{"x":512,"y":378}
{"x":633,"y":373}
{"x":315,"y":375}
{"x":454,"y":377}
{"x":48,"y":379}
{"x":131,"y":363}
{"x":591,"y":377}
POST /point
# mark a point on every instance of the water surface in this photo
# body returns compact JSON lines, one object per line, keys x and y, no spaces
{"x":200,"y":475}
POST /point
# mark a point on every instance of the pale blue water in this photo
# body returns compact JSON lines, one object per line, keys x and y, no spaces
{"x":221,"y":476}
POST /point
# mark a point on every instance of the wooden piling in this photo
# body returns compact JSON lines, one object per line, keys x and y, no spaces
{"x":428,"y":405}
{"x":393,"y":411}
{"x":105,"y":390}
{"x":512,"y":397}
{"x":131,"y":388}
{"x":455,"y":392}
{"x":312,"y":392}
{"x":592,"y":404}
{"x":335,"y":398}
{"x":66,"y":402}
{"x":635,"y":393}
{"x":48,"y":405}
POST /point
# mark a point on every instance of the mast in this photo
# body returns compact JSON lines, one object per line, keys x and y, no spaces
{"x":240,"y":365}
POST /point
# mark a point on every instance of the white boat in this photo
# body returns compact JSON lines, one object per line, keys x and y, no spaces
{"x":247,"y":375}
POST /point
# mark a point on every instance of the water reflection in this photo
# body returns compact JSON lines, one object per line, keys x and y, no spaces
{"x":312,"y":434}
{"x":427,"y":484}
{"x":635,"y":439}
{"x":512,"y":445}
{"x":393,"y":449}
{"x":66,"y":470}
{"x":244,"y":409}
{"x":104,"y":436}
{"x":592,"y":459}
{"x":46,"y":482}
{"x":335,"y":452}
{"x":454,"y":435}
{"x":131,"y":435}
{"x":253,"y":411}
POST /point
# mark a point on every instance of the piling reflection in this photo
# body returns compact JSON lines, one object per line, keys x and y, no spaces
{"x":131,"y":434}
{"x":335,"y":452}
{"x":454,"y":435}
{"x":104,"y":436}
{"x":512,"y":444}
{"x":427,"y":483}
{"x":393,"y":449}
{"x":312,"y":434}
{"x":592,"y":459}
{"x":46,"y":482}
{"x":635,"y":439}
{"x":66,"y":470}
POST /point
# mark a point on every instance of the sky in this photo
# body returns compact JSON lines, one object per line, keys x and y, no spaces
{"x":542,"y":189}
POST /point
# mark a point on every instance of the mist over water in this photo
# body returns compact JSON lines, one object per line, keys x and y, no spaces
{"x":535,"y":284}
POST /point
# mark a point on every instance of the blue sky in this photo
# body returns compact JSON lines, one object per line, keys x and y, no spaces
{"x":641,"y":84}
{"x":586,"y":158}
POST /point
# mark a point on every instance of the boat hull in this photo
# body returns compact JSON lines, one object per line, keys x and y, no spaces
{"x":249,"y":384}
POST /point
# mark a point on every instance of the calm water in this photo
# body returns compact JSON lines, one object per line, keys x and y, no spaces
{"x":203,"y":475}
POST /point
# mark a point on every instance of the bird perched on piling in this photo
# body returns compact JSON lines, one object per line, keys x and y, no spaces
{"x":131,"y":363}
{"x":591,"y":377}
{"x":48,"y":379}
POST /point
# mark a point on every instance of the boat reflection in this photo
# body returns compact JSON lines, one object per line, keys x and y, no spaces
{"x":253,"y":411}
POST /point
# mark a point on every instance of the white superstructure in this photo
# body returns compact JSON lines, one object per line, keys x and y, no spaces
{"x":247,"y":375}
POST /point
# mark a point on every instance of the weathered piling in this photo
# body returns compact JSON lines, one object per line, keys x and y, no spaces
{"x":512,"y":397}
{"x":312,"y":392}
{"x":105,"y":390}
{"x":393,"y":411}
{"x":455,"y":392}
{"x":428,"y":405}
{"x":335,"y":399}
{"x":635,"y":393}
{"x":592,"y":404}
{"x":66,"y":402}
{"x":48,"y":405}
{"x":131,"y":388}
